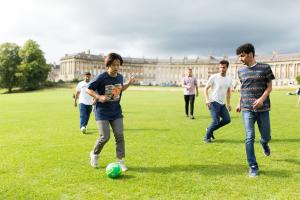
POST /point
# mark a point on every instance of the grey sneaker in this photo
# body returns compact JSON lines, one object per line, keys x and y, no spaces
{"x":192,"y":117}
{"x":212,"y":136}
{"x":83,"y":129}
{"x":266,"y":148}
{"x":206,"y":141}
{"x":94,"y":159}
{"x":122,"y":164}
{"x":253,"y":171}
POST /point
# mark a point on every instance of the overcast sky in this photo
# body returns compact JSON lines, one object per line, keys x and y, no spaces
{"x":152,"y":28}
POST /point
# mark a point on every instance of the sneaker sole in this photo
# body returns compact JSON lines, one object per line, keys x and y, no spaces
{"x":92,"y":164}
{"x":253,"y":176}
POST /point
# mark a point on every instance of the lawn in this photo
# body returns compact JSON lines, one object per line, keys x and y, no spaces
{"x":44,"y":156}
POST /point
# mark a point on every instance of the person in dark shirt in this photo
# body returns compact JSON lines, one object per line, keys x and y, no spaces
{"x":256,"y":86}
{"x":107,"y":89}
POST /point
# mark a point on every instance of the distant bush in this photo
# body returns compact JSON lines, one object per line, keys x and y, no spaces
{"x":298,"y":79}
{"x":49,"y":84}
{"x":75,"y":80}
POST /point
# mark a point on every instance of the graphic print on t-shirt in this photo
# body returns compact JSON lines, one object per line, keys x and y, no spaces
{"x":113,"y":92}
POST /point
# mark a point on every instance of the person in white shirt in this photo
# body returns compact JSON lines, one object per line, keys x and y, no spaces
{"x":220,"y":85}
{"x":189,"y":83}
{"x":85,"y":101}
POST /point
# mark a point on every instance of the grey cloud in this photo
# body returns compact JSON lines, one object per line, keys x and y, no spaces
{"x":162,"y":28}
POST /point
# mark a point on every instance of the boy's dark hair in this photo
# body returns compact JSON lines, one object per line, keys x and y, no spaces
{"x":224,"y":62}
{"x":111,"y":57}
{"x":87,"y":73}
{"x":245,"y":48}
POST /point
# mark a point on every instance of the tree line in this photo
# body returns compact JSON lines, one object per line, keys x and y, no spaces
{"x":23,"y":67}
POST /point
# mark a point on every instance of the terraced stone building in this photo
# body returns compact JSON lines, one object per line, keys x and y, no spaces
{"x":170,"y":71}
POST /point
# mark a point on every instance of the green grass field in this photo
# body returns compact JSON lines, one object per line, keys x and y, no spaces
{"x":44,"y":156}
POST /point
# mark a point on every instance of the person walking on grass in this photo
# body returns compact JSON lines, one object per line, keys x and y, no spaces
{"x":220,"y":85}
{"x":85,"y":101}
{"x":256,"y":86}
{"x":189,"y":83}
{"x":107,"y":90}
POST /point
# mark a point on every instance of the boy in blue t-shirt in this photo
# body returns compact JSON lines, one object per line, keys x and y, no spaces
{"x":107,"y":89}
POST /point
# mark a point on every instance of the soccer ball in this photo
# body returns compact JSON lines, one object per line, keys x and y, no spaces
{"x":113,"y":170}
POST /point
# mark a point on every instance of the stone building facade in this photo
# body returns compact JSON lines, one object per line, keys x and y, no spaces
{"x":170,"y":71}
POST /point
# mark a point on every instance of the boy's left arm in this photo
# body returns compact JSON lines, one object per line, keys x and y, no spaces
{"x":126,"y":85}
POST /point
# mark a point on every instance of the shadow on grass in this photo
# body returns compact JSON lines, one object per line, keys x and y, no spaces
{"x":146,"y":129}
{"x":126,"y":176}
{"x":199,"y":117}
{"x":243,"y":141}
{"x":203,"y":169}
{"x":123,"y":177}
{"x":90,"y":132}
{"x":286,"y":140}
{"x":95,"y":131}
{"x":229,"y":141}
{"x":293,"y":161}
{"x":276,"y":173}
{"x":209,"y":170}
{"x":209,"y":117}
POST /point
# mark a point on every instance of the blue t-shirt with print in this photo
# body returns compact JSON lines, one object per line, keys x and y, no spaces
{"x":253,"y":84}
{"x":104,"y":84}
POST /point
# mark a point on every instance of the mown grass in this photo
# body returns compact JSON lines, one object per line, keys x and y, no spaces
{"x":44,"y":156}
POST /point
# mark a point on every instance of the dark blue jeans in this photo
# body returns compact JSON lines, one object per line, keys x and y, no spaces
{"x":85,"y":111}
{"x":263,"y":122}
{"x":189,"y":99}
{"x":216,"y":111}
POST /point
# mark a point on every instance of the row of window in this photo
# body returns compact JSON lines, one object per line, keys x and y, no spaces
{"x":280,"y":71}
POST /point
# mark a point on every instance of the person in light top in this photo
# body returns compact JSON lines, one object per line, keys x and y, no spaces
{"x":220,"y":85}
{"x":189,"y":83}
{"x":85,"y":102}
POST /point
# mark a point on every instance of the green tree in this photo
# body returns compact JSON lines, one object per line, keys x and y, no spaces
{"x":298,"y":79}
{"x":33,"y":68}
{"x":9,"y":61}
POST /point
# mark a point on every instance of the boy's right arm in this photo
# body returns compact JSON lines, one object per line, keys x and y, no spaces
{"x":238,"y":107}
{"x":207,"y":101}
{"x":97,"y":97}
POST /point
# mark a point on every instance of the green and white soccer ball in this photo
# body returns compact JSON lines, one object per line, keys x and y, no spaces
{"x":113,"y":170}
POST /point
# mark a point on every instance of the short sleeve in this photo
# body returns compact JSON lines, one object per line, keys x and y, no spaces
{"x":269,"y":74}
{"x":122,"y":80}
{"x":210,"y":81}
{"x":182,"y":81}
{"x":239,"y":75}
{"x":95,"y":83}
{"x":230,"y":82}
{"x":78,"y":87}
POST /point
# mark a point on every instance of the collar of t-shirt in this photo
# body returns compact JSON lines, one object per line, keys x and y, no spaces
{"x":219,"y":74}
{"x":253,"y":65}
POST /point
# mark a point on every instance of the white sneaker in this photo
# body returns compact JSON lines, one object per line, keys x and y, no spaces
{"x":94,"y":159}
{"x":122,"y":164}
{"x":83,"y":129}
